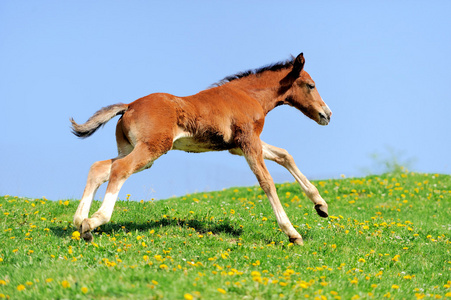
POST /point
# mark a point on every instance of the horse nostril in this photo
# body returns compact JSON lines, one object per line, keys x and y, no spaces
{"x":327,"y":113}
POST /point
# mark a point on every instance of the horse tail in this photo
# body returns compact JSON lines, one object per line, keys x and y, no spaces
{"x":100,"y":118}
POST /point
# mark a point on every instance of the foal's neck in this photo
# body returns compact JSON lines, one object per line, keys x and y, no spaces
{"x":265,"y":88}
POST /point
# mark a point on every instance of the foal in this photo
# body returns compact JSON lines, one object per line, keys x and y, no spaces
{"x":229,"y":116}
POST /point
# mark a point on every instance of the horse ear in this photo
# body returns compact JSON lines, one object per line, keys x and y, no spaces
{"x":298,"y":65}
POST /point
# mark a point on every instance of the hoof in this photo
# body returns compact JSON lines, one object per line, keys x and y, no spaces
{"x":297,"y":241}
{"x":85,"y":231}
{"x":87,"y":236}
{"x":321,"y":210}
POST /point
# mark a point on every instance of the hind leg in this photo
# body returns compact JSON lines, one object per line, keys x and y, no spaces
{"x":142,"y":157}
{"x":98,"y":174}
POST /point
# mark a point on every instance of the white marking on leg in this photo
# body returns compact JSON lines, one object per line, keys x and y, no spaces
{"x":281,"y":216}
{"x":282,"y":157}
{"x":98,"y":174}
{"x":83,"y":209}
{"x":267,"y":184}
{"x":103,"y":215}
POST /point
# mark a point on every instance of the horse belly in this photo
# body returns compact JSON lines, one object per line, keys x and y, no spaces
{"x":188,"y":143}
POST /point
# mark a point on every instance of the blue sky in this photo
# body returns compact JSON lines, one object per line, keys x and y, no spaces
{"x":382,"y":67}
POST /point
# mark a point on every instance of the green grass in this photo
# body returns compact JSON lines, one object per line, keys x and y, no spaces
{"x":387,"y":236}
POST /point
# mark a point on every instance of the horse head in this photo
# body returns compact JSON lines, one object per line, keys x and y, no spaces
{"x":299,"y":91}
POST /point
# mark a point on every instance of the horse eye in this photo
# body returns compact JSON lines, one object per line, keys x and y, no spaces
{"x":310,"y":86}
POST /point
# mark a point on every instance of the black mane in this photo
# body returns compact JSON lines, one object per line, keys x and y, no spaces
{"x":282,"y":65}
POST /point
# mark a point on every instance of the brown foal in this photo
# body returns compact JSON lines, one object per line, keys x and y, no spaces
{"x":228,"y":116}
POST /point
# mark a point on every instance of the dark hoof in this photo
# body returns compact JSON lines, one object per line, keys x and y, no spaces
{"x":321,"y":210}
{"x":85,"y":231}
{"x":87,"y":236}
{"x":297,"y":241}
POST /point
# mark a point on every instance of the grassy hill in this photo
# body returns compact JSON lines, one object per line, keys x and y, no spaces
{"x":387,"y":236}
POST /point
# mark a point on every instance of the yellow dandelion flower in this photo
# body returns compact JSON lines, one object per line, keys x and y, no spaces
{"x":164,"y":267}
{"x":395,"y":287}
{"x":159,"y":258}
{"x":48,"y":280}
{"x":84,"y":290}
{"x":29,"y":283}
{"x":20,"y":287}
{"x":188,"y":296}
{"x":361,"y":260}
{"x":222,"y":291}
{"x":283,"y":283}
{"x":303,"y":285}
{"x":2,"y":282}
{"x":255,"y":274}
{"x":65,"y":284}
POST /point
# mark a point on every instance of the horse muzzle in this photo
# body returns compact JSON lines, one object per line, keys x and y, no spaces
{"x":324,"y":116}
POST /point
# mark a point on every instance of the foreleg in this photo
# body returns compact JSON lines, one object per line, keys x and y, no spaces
{"x":254,"y":156}
{"x":283,"y":158}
